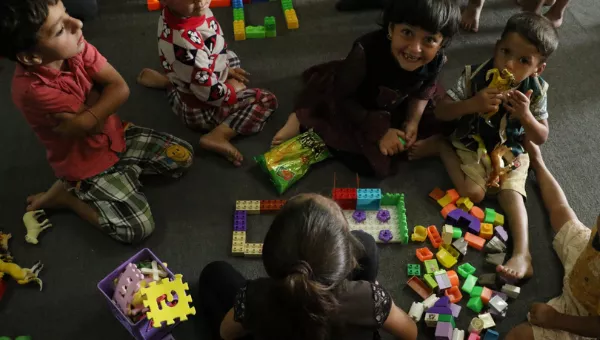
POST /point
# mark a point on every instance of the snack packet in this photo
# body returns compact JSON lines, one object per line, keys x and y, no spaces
{"x":290,"y":161}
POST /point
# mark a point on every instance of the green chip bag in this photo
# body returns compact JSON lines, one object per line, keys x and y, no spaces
{"x":290,"y":161}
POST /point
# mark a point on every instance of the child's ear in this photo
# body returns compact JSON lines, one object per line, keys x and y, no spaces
{"x":29,"y":59}
{"x":541,"y":67}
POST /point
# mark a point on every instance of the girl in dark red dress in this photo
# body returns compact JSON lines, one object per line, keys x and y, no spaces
{"x":382,"y":90}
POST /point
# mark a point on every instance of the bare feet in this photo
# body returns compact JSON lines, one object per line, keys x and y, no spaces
{"x":427,"y":147}
{"x":153,"y":79}
{"x":220,"y":144}
{"x":470,"y":18}
{"x":290,"y":130}
{"x":55,"y":198}
{"x":517,"y":268}
{"x":555,"y":16}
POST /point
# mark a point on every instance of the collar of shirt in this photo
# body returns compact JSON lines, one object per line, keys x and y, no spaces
{"x":45,"y":74}
{"x":179,"y":23}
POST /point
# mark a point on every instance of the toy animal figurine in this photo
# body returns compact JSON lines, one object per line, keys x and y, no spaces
{"x":33,"y":225}
{"x":499,"y":171}
{"x":4,"y":253}
{"x":22,"y":275}
{"x":482,"y":153}
{"x":502,"y":81}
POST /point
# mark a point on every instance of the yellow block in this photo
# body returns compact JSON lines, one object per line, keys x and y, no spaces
{"x":486,"y":231}
{"x":444,"y":201}
{"x":291,"y":19}
{"x":239,"y":30}
{"x":445,"y":259}
{"x":238,"y":243}
{"x":252,"y":207}
{"x":464,"y":203}
{"x":499,"y":220}
{"x":419,"y":234}
{"x":253,"y":249}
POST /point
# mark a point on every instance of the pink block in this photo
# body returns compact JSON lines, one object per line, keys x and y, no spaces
{"x":474,"y":336}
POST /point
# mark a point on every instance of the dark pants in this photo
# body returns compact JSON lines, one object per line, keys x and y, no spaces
{"x":82,"y":9}
{"x":220,"y":282}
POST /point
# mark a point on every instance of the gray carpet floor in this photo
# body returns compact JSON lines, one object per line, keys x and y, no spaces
{"x":193,"y":215}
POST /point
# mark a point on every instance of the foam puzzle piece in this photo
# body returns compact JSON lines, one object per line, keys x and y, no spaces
{"x":164,"y":312}
{"x":127,"y":285}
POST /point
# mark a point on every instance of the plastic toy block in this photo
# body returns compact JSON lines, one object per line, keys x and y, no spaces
{"x":458,"y":334}
{"x":220,"y":3}
{"x":431,"y":266}
{"x":501,"y":233}
{"x":466,"y":269}
{"x":476,"y":326}
{"x":475,"y":241}
{"x":251,"y":207}
{"x":416,"y":311}
{"x":434,"y":236}
{"x":430,"y":280}
{"x":368,"y":199}
{"x":238,"y":243}
{"x":495,"y":246}
{"x":345,"y":198}
{"x":287,"y":4}
{"x":237,"y":4}
{"x":153,"y":5}
{"x":499,"y":219}
{"x":437,"y":194}
{"x":475,"y":304}
{"x":469,"y":284}
{"x":424,"y":254}
{"x":431,"y":319}
{"x":390,"y":199}
{"x":488,"y":321}
{"x":359,"y":216}
{"x":474,"y":336}
{"x":487,"y":280}
{"x":238,"y":14}
{"x":415,"y":270}
{"x":490,"y":215}
{"x":253,"y":249}
{"x":451,"y":250}
{"x":271,"y":205}
{"x":443,"y":331}
{"x":462,"y":219}
{"x":385,"y":236}
{"x":443,"y":281}
{"x":291,"y":19}
{"x":402,"y":223}
{"x":447,"y":318}
{"x":447,"y":210}
{"x":419,"y":234}
{"x":440,"y":310}
{"x":444,"y":201}
{"x":500,"y":295}
{"x":419,"y":287}
{"x":496,"y":303}
{"x":464,"y":203}
{"x":476,"y":291}
{"x":442,"y":302}
{"x":497,"y":316}
{"x":255,"y":32}
{"x":270,"y":27}
{"x":430,"y":301}
{"x":477,"y":213}
{"x":453,"y":194}
{"x":511,"y":291}
{"x":127,"y":285}
{"x":456,"y":233}
{"x":240,"y":220}
{"x":447,"y":232}
{"x":491,"y":334}
{"x":445,"y":258}
{"x":495,"y":259}
{"x":453,"y":277}
{"x":455,"y":309}
{"x":165,"y":312}
{"x":239,"y":30}
{"x":383,"y":215}
{"x":486,"y":231}
{"x":461,"y":245}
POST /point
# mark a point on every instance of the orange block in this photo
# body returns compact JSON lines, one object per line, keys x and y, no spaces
{"x":454,"y":194}
{"x":486,"y":295}
{"x":453,"y":278}
{"x":434,"y":236}
{"x":448,"y":209}
{"x":220,"y":3}
{"x":454,"y":294}
{"x":153,"y":5}
{"x":424,"y":254}
{"x":477,"y":212}
{"x":475,"y":241}
{"x":419,"y":287}
{"x":437,"y":194}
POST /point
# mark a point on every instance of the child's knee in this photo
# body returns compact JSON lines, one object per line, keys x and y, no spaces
{"x":134,"y":232}
{"x":474,"y":192}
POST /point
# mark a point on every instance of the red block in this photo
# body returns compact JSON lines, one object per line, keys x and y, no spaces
{"x":434,"y":236}
{"x":437,"y":194}
{"x":424,"y":254}
{"x":220,"y":3}
{"x":454,"y":194}
{"x":345,"y":197}
{"x":271,"y":205}
{"x":454,"y":294}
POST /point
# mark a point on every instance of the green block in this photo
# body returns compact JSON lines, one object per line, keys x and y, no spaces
{"x":469,"y":284}
{"x":22,"y":337}
{"x":490,"y":216}
{"x":402,"y":224}
{"x":414,"y":270}
{"x":270,"y":27}
{"x":255,"y":32}
{"x":465,"y":270}
{"x":430,"y":280}
{"x":476,"y":291}
{"x":475,"y":304}
{"x":431,"y":266}
{"x":4,"y":338}
{"x":238,"y":14}
{"x":287,"y":4}
{"x":390,"y":199}
{"x":456,"y":232}
{"x":447,"y":318}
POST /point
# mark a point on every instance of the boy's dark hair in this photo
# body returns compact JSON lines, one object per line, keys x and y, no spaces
{"x":537,"y":29}
{"x":308,"y":253}
{"x":20,"y":22}
{"x":431,"y":15}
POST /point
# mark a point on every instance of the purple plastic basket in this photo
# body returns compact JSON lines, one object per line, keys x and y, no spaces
{"x":141,"y":330}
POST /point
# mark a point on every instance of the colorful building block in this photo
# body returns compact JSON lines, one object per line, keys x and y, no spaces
{"x":419,"y":234}
{"x":240,"y":220}
{"x":220,"y":3}
{"x":385,"y":235}
{"x":511,"y":291}
{"x":445,"y":258}
{"x":454,"y":196}
{"x":499,"y":219}
{"x":474,"y":336}
{"x":253,"y":249}
{"x":251,"y":207}
{"x":447,"y":232}
{"x":464,"y":203}
{"x":430,"y":281}
{"x":430,"y":301}
{"x":444,"y":201}
{"x":431,"y":266}
{"x":495,"y":246}
{"x":461,"y":245}
{"x":431,"y":319}
{"x":286,"y":4}
{"x":238,"y":14}
{"x":501,"y":233}
{"x":476,"y":291}
{"x":255,"y":32}
{"x":419,"y":287}
{"x":455,"y":309}
{"x":368,"y":199}
{"x":488,"y":279}
{"x":490,"y":215}
{"x":153,"y":5}
{"x":424,"y":254}
{"x":466,"y":269}
{"x":238,"y":243}
{"x":239,"y":30}
{"x":444,"y":301}
{"x":437,"y":194}
{"x":496,"y":303}
{"x":443,"y":331}
{"x":475,"y":241}
{"x":359,"y":216}
{"x":458,"y":334}
{"x":442,"y":280}
{"x":447,"y":210}
{"x":415,"y":270}
{"x":469,"y":284}
{"x":345,"y":198}
{"x":416,"y":311}
{"x":486,"y":231}
{"x":402,"y":222}
{"x":434,"y":236}
{"x":477,"y":213}
{"x":476,"y":326}
{"x":459,"y":218}
{"x":270,"y":27}
{"x":488,"y":321}
{"x":391,"y":199}
{"x":447,"y":318}
{"x":498,"y":316}
{"x":456,"y":233}
{"x":267,"y":206}
{"x":495,"y":259}
{"x":491,"y":334}
{"x":475,"y":304}
{"x":453,"y":277}
{"x":237,"y":4}
{"x":451,"y":250}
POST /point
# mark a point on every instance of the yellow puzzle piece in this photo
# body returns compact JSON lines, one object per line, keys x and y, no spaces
{"x":165,"y":312}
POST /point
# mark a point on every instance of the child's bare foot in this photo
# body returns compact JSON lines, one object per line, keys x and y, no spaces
{"x":220,"y":144}
{"x":56,"y":197}
{"x":517,"y":268}
{"x":289,"y":130}
{"x":555,"y":16}
{"x":427,"y":147}
{"x":470,"y":18}
{"x":153,"y":79}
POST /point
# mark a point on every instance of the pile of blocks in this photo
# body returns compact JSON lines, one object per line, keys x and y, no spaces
{"x":239,"y":247}
{"x":269,"y":29}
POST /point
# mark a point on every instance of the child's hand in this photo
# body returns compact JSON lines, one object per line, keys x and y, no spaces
{"x":486,"y":100}
{"x":389,"y":144}
{"x":75,"y":125}
{"x":237,"y":85}
{"x":238,"y":74}
{"x":411,"y":130}
{"x":543,"y":315}
{"x":517,"y":104}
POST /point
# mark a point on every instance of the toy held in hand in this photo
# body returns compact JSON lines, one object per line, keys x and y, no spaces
{"x":502,"y":81}
{"x":290,"y":161}
{"x":499,"y":171}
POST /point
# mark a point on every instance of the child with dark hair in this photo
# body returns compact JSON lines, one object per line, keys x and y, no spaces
{"x":383,"y":91}
{"x":321,"y":283}
{"x":96,"y":157}
{"x":526,"y":43}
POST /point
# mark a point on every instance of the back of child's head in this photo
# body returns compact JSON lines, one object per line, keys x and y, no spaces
{"x":308,"y":253}
{"x":536,"y":29}
{"x":20,"y":22}
{"x":434,"y":16}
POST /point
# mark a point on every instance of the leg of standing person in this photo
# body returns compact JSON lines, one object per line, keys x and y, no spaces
{"x":369,"y":261}
{"x":471,"y":14}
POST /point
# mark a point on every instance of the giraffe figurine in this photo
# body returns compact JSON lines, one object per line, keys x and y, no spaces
{"x":22,"y":275}
{"x":502,"y":81}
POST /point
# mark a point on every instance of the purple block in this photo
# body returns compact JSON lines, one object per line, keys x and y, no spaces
{"x":474,"y":225}
{"x":455,"y":310}
{"x":500,"y":294}
{"x":239,"y":220}
{"x":501,"y":233}
{"x":440,"y":310}
{"x":385,"y":235}
{"x":383,"y":215}
{"x":442,"y":284}
{"x":454,"y":216}
{"x":359,"y":216}
{"x":461,"y":218}
{"x":443,"y":331}
{"x":444,"y":301}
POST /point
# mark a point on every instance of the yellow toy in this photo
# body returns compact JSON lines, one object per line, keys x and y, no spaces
{"x":164,"y":312}
{"x":482,"y":153}
{"x":34,"y":226}
{"x":499,"y":171}
{"x":445,"y":258}
{"x":419,"y":234}
{"x":22,"y":275}
{"x":502,"y":81}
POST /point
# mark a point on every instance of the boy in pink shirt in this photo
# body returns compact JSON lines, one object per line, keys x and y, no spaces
{"x":95,"y":156}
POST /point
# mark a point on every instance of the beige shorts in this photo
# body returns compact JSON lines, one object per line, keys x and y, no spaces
{"x":515,"y":180}
{"x":570,"y":241}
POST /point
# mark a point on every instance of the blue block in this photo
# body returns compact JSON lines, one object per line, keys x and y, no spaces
{"x":491,"y":335}
{"x":237,"y":4}
{"x":368,"y":199}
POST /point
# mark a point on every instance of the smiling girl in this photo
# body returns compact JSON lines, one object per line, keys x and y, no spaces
{"x":361,"y":105}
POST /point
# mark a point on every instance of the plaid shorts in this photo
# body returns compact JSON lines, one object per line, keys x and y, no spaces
{"x":247,"y":116}
{"x":115,"y":193}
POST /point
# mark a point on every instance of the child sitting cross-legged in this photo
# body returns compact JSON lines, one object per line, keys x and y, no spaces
{"x":486,"y":129}
{"x":97,"y":158}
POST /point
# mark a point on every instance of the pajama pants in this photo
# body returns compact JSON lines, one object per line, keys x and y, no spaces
{"x":247,"y":116}
{"x":115,"y":193}
{"x":220,"y":282}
